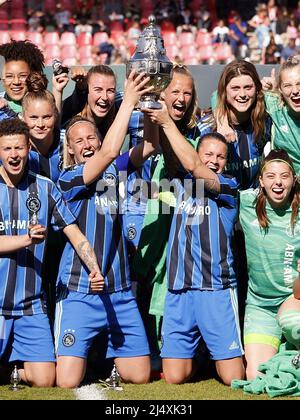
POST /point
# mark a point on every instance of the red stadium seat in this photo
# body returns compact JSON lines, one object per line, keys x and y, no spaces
{"x":85,"y":38}
{"x":116,"y":26}
{"x":188,"y":51}
{"x":50,"y":5}
{"x":3,"y":14}
{"x":186,"y":38}
{"x":203,"y":38}
{"x":86,"y":61}
{"x":69,"y":62}
{"x":18,"y":25}
{"x":52,"y":51}
{"x":67,"y":5}
{"x":36,"y":38}
{"x":205,"y":53}
{"x":191,"y":61}
{"x":4,"y":37}
{"x":18,"y":14}
{"x":99,"y":37}
{"x":68,"y":51}
{"x":85,"y":51}
{"x":17,"y":4}
{"x":18,"y":35}
{"x":170,"y":38}
{"x":223,"y":52}
{"x":172,"y":51}
{"x":3,"y":24}
{"x":115,"y":35}
{"x":67,"y":38}
{"x":51,"y":38}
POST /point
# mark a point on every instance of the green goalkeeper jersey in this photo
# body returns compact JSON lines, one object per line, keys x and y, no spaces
{"x":271,"y":255}
{"x":285,"y":128}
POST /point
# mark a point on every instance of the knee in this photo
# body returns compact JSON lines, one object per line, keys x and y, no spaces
{"x":289,"y":321}
{"x":67,"y":382}
{"x":39,"y":382}
{"x":251,"y":372}
{"x":138,"y":378}
{"x":227,"y":375}
{"x":175,"y":378}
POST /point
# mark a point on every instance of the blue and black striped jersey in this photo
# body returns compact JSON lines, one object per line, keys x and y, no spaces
{"x":199,"y":252}
{"x":96,"y":208}
{"x":51,"y":165}
{"x":136,"y":202}
{"x":245,"y":154}
{"x":21,"y":291}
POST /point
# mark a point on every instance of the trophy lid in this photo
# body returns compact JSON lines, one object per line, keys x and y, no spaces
{"x":150,"y":44}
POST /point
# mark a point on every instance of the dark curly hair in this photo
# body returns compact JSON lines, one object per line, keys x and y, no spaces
{"x":14,"y":126}
{"x":24,"y":51}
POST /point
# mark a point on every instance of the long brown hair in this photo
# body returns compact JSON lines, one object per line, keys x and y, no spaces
{"x":260,"y":205}
{"x":235,"y":69}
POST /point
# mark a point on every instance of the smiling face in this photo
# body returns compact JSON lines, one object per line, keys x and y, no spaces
{"x":14,"y":77}
{"x":240,"y":94}
{"x":178,"y":95}
{"x":40,"y":118}
{"x":213,"y":153}
{"x":83,"y":141}
{"x":14,"y":151}
{"x":102,"y":92}
{"x":290,"y":88}
{"x":277,"y":180}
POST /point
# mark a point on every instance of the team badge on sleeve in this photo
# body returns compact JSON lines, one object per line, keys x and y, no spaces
{"x":110,"y":180}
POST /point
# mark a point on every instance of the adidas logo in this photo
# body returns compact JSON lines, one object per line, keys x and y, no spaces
{"x":234,"y":346}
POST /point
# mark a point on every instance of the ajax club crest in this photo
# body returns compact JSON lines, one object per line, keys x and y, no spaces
{"x":33,"y":204}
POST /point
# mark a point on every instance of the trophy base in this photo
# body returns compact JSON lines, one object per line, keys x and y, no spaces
{"x":16,"y":388}
{"x":149,"y":105}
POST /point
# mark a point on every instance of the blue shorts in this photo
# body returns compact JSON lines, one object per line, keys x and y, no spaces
{"x":80,"y":317}
{"x":26,"y":338}
{"x":190,"y":314}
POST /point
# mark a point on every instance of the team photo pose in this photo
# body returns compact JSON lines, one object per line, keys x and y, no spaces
{"x":29,"y":205}
{"x":270,"y":221}
{"x":200,"y":281}
{"x":90,"y":187}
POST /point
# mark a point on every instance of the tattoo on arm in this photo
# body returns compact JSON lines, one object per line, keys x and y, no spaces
{"x":87,"y":255}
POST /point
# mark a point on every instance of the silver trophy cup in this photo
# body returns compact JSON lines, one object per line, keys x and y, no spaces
{"x":15,"y":379}
{"x":150,"y":57}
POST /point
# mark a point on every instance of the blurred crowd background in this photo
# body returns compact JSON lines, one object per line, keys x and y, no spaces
{"x":90,"y":32}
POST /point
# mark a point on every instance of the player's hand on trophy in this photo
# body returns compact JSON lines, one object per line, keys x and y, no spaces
{"x":135,"y":86}
{"x":159,"y":116}
{"x":37,"y":233}
{"x":60,"y":81}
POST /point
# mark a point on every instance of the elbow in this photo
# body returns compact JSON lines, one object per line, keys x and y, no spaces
{"x":191,"y":166}
{"x":112,"y":154}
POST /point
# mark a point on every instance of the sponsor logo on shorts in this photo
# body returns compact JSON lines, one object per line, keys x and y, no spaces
{"x":234,"y":346}
{"x":68,"y":339}
{"x":131,"y":233}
